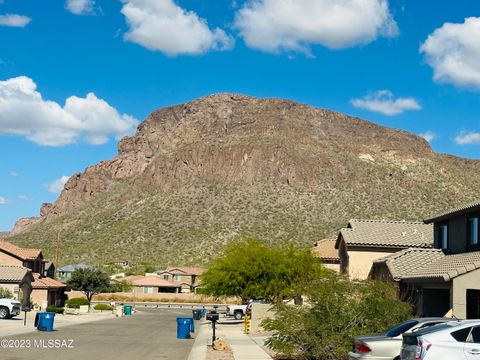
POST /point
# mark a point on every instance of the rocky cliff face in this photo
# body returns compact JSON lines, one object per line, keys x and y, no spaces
{"x":247,"y":162}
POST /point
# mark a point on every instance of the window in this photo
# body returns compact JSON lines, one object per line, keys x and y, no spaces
{"x":475,"y":335}
{"x":461,"y":335}
{"x":165,"y":277}
{"x":443,"y":236}
{"x":400,"y":329}
{"x":472,"y":231}
{"x":148,"y":290}
{"x":177,"y":277}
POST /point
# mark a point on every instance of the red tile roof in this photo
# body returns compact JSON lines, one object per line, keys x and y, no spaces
{"x":325,"y":250}
{"x":46,"y":282}
{"x":186,"y":271}
{"x":21,"y":253}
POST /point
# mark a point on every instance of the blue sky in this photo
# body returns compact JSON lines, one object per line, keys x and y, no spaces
{"x":61,"y":62}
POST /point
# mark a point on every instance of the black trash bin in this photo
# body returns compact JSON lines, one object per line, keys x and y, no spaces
{"x":197,"y":314}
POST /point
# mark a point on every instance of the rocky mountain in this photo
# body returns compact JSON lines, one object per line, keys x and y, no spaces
{"x":195,"y":176}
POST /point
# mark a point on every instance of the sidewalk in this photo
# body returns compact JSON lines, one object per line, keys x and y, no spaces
{"x":243,"y":346}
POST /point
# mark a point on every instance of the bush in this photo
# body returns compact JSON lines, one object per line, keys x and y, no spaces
{"x":55,"y":309}
{"x":75,"y":303}
{"x":5,"y":294}
{"x":338,"y":309}
{"x":103,"y":307}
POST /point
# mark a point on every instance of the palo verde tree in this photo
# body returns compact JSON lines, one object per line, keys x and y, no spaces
{"x":251,"y":269}
{"x":89,"y":282}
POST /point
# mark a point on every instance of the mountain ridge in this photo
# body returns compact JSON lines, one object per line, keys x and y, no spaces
{"x":232,"y":165}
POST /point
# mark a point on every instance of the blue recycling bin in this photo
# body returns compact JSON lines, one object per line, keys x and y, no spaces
{"x":44,"y":321}
{"x":204,"y":312}
{"x":184,"y":327}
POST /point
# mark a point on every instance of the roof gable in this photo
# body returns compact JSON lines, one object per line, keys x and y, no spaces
{"x":12,"y":273}
{"x":458,"y":211}
{"x":325,"y":250}
{"x":20,"y":253}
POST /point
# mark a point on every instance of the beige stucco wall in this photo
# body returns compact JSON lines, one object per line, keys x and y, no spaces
{"x":461,"y":283}
{"x":6,"y":259}
{"x":259,"y":313}
{"x":38,"y":296}
{"x":334,"y":267}
{"x":360,"y":262}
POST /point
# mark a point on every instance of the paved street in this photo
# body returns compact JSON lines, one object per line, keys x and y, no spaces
{"x":149,"y":334}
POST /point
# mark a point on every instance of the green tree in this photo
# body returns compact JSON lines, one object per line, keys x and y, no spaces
{"x":5,"y":294}
{"x":250,"y":269}
{"x":89,"y":282}
{"x":338,"y":309}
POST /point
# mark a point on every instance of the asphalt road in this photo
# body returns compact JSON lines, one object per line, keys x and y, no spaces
{"x":149,"y":335}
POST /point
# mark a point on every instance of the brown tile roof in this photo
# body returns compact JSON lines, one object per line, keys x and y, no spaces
{"x":185,"y":271}
{"x":21,"y":253}
{"x":46,"y":282}
{"x":12,"y":273}
{"x":154,"y":281}
{"x":325,"y":250}
{"x":462,"y":209}
{"x":387,"y":233}
{"x":129,"y":279}
{"x":430,"y":264}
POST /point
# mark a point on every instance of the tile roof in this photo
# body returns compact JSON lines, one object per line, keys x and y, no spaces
{"x":325,"y":250}
{"x":73,"y":267}
{"x":185,"y":270}
{"x":153,"y":281}
{"x":473,"y":206}
{"x":21,"y":253}
{"x":12,"y":273}
{"x":387,"y":233}
{"x":46,"y":282}
{"x":433,"y":264}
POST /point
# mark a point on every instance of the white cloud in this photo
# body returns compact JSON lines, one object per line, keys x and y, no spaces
{"x":161,"y":25}
{"x":23,"y":112}
{"x":56,"y":186}
{"x":383,"y":102}
{"x":3,"y":201}
{"x":294,"y":25}
{"x":25,"y":198}
{"x":467,"y":138}
{"x":429,"y":135}
{"x":81,"y":7}
{"x":14,"y":174}
{"x":453,"y":51}
{"x":14,"y":20}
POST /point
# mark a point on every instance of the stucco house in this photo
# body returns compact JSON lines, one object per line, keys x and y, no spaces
{"x":18,"y":280}
{"x":446,"y":277}
{"x":153,"y":284}
{"x":45,"y":291}
{"x":364,"y":241}
{"x":328,"y":255}
{"x":65,"y":272}
{"x":188,"y":278}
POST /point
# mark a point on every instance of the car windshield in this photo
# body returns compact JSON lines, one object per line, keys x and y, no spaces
{"x":400,"y":329}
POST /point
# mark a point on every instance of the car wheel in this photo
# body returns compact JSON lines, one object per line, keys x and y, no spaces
{"x":238,"y":315}
{"x":4,"y":313}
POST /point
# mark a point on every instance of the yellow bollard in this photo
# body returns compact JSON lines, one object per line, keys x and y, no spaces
{"x":247,"y":324}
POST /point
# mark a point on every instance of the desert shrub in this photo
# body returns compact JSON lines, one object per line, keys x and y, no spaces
{"x":75,"y":303}
{"x":103,"y":307}
{"x":337,"y":310}
{"x":55,"y":309}
{"x":5,"y":293}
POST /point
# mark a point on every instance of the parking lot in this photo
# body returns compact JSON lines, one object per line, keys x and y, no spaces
{"x":148,"y":334}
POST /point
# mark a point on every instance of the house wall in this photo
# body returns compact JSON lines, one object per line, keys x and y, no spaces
{"x":13,"y":288}
{"x":6,"y":259}
{"x":461,"y":283}
{"x":361,"y":260}
{"x":334,"y":267}
{"x":457,"y":234}
{"x":39,"y":296}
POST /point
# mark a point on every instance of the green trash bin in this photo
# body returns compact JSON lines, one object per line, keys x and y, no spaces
{"x":197,"y":314}
{"x":127,"y":310}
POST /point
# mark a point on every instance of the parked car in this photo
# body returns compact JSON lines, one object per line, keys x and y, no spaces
{"x":237,"y":311}
{"x":251,"y":302}
{"x":387,"y":346}
{"x":454,"y":340}
{"x":9,"y":308}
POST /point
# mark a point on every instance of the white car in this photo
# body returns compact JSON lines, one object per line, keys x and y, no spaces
{"x":454,"y":340}
{"x":9,"y":308}
{"x":387,"y":346}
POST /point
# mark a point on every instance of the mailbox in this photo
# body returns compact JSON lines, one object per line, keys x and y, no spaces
{"x":212,"y":316}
